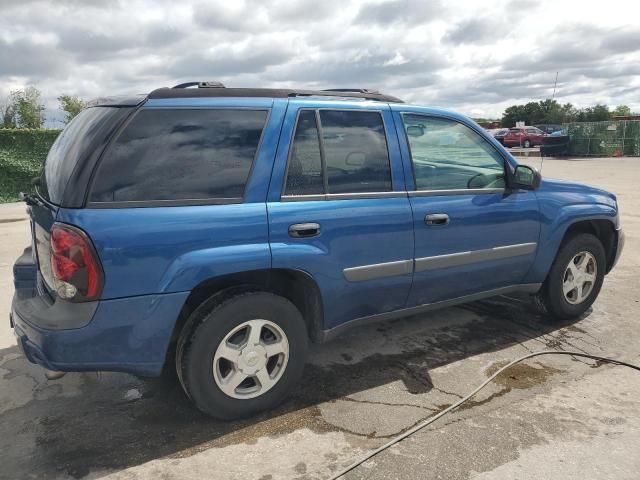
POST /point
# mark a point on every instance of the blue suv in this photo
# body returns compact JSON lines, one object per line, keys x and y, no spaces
{"x":218,"y":230}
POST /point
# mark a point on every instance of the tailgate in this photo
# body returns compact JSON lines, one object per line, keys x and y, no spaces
{"x":43,"y":215}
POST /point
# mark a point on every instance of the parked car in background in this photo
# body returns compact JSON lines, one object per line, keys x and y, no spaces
{"x":216,"y":231}
{"x":500,"y":134}
{"x":549,"y":128}
{"x":523,"y":137}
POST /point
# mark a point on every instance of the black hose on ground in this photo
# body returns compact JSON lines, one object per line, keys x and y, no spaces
{"x":430,"y":420}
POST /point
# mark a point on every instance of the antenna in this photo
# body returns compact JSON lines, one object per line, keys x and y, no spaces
{"x":554,"y":87}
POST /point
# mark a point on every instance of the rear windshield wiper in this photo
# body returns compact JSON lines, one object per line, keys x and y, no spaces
{"x":31,"y":199}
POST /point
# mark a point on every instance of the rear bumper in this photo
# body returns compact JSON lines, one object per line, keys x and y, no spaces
{"x":125,"y":335}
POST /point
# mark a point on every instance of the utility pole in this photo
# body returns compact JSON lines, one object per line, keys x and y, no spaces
{"x":554,"y":87}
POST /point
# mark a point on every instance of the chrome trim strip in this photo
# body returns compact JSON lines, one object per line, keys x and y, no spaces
{"x":326,"y":335}
{"x":463,"y":258}
{"x":341,"y":196}
{"x":467,"y":191}
{"x":378,"y":270}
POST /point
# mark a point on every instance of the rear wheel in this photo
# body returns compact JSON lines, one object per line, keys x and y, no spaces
{"x":243,"y":355}
{"x":575,"y":278}
{"x":526,"y":144}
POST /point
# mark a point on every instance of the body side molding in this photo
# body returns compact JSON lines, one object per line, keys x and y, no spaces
{"x":378,"y":270}
{"x":463,"y":258}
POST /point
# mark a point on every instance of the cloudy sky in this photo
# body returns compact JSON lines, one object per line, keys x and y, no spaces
{"x":472,"y":56}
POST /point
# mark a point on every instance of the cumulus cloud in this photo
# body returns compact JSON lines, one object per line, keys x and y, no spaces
{"x":469,"y":56}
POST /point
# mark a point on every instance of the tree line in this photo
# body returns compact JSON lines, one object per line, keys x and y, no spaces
{"x":24,"y":108}
{"x":550,"y":111}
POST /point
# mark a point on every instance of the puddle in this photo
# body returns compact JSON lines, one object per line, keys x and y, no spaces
{"x":521,"y":375}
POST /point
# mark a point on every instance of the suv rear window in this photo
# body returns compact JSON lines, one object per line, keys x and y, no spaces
{"x":181,"y":154}
{"x":77,"y":141}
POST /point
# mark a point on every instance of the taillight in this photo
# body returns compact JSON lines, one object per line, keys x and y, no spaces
{"x":76,"y":269}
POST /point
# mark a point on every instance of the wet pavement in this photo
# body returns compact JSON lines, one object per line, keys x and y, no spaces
{"x":547,"y":418}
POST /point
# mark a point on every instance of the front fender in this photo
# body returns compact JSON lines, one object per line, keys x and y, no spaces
{"x":555,"y":223}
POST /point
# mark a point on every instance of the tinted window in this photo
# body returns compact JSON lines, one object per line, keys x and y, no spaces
{"x":447,"y":155}
{"x":355,"y":150}
{"x":181,"y":154}
{"x":304,"y":173}
{"x":76,"y":141}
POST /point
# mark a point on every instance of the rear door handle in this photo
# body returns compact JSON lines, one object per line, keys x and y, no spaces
{"x":437,"y":219}
{"x":300,"y":230}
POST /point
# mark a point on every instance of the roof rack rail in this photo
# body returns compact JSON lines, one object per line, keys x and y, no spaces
{"x":354,"y":90}
{"x":210,"y":84}
{"x":208,"y":90}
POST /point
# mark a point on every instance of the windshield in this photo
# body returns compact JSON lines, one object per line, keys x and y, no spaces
{"x":74,"y":142}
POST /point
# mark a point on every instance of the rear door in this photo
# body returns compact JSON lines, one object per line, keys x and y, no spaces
{"x":471,"y":234}
{"x":338,"y":208}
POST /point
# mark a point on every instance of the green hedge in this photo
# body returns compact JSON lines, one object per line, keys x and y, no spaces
{"x":22,"y":154}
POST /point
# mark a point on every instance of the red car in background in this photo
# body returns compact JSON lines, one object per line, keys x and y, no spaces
{"x":523,"y":137}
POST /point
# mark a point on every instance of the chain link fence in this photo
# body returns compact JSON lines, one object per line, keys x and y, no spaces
{"x":604,"y":139}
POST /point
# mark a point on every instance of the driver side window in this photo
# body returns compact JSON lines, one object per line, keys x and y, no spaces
{"x":448,"y":155}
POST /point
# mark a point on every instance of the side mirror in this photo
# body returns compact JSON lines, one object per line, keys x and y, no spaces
{"x":525,"y":177}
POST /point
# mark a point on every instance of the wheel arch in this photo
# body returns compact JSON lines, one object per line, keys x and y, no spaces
{"x":603,"y":229}
{"x":297,"y":286}
{"x":596,"y":219}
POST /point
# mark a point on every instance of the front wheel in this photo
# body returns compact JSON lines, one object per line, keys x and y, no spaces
{"x":243,"y":356}
{"x":575,"y":278}
{"x":527,"y":144}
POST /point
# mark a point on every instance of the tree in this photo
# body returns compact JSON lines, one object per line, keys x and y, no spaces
{"x":597,"y":113}
{"x":621,"y":111}
{"x":29,"y":110}
{"x":8,"y":113}
{"x":550,"y":111}
{"x":72,"y":105}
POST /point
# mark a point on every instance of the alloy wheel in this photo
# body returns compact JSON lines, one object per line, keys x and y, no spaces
{"x":251,"y":359}
{"x":579,"y":277}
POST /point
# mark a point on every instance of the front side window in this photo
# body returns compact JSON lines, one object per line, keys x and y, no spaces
{"x":181,"y":154}
{"x":346,"y":153}
{"x":448,"y":155}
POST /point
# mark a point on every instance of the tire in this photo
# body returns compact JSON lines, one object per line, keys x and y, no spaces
{"x":208,"y":377}
{"x":552,"y":297}
{"x":526,"y":144}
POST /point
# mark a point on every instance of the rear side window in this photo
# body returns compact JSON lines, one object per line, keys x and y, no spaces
{"x":77,"y":141}
{"x":346,"y":153}
{"x":181,"y":154}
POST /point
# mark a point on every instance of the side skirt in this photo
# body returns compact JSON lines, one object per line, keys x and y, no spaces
{"x":327,"y":335}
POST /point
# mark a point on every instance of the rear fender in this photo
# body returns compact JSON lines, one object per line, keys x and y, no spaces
{"x":189,"y":270}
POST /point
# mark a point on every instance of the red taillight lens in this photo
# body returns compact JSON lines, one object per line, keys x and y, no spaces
{"x":75,"y":265}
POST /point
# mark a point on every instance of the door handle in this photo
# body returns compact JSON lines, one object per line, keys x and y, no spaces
{"x":299,"y":230}
{"x":437,"y":219}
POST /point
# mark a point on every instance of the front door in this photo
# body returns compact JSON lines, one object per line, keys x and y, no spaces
{"x":471,"y":233}
{"x":338,"y":208}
